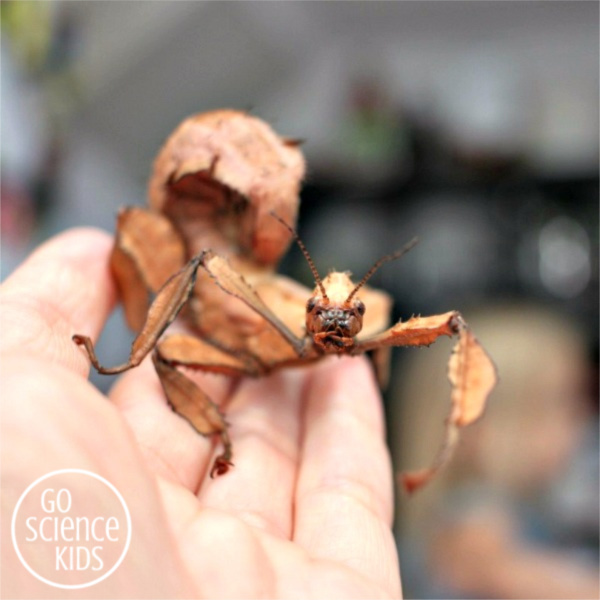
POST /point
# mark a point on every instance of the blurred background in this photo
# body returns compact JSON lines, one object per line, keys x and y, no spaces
{"x":473,"y":125}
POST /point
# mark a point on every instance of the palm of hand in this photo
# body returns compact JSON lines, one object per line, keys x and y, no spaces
{"x":307,"y":509}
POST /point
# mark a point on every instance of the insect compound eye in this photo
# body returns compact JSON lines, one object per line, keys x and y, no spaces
{"x":310,"y":304}
{"x":360,"y":307}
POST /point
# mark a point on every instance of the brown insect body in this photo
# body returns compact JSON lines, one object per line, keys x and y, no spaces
{"x":208,"y":247}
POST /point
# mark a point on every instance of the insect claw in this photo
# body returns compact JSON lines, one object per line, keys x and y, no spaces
{"x":220,"y":466}
{"x":213,"y":165}
{"x":456,"y":323}
{"x":293,"y":142}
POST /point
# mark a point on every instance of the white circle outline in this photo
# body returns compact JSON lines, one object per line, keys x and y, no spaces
{"x":73,"y":586}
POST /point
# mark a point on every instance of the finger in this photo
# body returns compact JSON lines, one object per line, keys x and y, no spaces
{"x":344,"y":492}
{"x":64,"y":287}
{"x":57,"y":420}
{"x":173,"y":449}
{"x":265,"y":418}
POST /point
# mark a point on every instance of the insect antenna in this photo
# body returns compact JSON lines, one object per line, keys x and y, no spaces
{"x":380,"y":262}
{"x":309,"y":260}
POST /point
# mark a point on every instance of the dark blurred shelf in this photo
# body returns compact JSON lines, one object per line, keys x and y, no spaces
{"x":515,"y":207}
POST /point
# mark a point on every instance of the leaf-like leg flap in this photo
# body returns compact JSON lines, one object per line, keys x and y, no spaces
{"x":133,"y":291}
{"x":136,"y":265}
{"x":417,"y":331}
{"x":381,"y":363}
{"x":233,"y":283}
{"x":195,"y":353}
{"x":191,"y":403}
{"x":168,"y":302}
{"x":473,"y":377}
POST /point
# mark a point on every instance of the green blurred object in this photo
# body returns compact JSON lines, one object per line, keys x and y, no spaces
{"x":372,"y":135}
{"x":28,"y":26}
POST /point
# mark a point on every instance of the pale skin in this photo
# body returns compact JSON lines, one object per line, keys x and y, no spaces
{"x":306,"y":512}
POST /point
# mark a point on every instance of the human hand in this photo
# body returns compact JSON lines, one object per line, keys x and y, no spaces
{"x":306,"y":511}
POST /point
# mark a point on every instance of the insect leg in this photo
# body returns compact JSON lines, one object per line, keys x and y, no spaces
{"x":231,"y":282}
{"x":186,"y":398}
{"x":471,"y":372}
{"x":168,"y":302}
